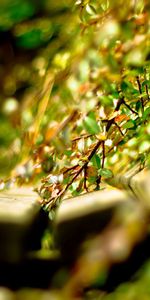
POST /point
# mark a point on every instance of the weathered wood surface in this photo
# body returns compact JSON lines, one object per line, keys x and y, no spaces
{"x":84,"y":216}
{"x":21,"y":223}
{"x":137,"y":182}
{"x":140,"y":186}
{"x":122,"y":181}
{"x":111,"y":222}
{"x":106,"y":231}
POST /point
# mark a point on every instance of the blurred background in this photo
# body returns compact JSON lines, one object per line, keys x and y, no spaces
{"x":31,"y":32}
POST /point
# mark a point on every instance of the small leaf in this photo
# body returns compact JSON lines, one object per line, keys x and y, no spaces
{"x":96,"y":161}
{"x":124,"y":86}
{"x":105,"y":173}
{"x":90,"y":10}
{"x":74,"y":189}
{"x":92,"y":179}
{"x":129,"y":124}
{"x":68,"y":152}
{"x":105,"y":5}
{"x":101,"y":136}
{"x":138,"y":105}
{"x":146,"y":114}
{"x":91,"y":171}
{"x":146,"y":82}
{"x":91,"y":125}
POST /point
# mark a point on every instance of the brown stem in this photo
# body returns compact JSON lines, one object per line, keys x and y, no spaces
{"x":146,"y":86}
{"x":85,"y":178}
{"x":52,"y":202}
{"x":103,"y":151}
{"x":98,"y":181}
{"x":120,"y":102}
{"x":119,"y":128}
{"x":130,"y":108}
{"x":70,"y":168}
{"x":82,"y":136}
{"x":140,"y":91}
{"x":116,"y":145}
{"x":84,"y":165}
{"x":147,"y":92}
{"x":109,"y":123}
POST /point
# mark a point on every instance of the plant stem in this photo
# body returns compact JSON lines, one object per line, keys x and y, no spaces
{"x":140,"y":91}
{"x":119,"y":128}
{"x":130,"y":108}
{"x":146,"y":86}
{"x":52,"y":202}
{"x":98,"y":181}
{"x":85,"y":178}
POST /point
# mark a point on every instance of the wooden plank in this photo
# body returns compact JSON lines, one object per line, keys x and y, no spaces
{"x":122,"y":181}
{"x":140,"y":186}
{"x":21,"y":223}
{"x":88,"y":214}
{"x":137,"y":182}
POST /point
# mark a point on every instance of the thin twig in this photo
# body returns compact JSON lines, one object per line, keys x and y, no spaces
{"x":85,"y":178}
{"x":130,"y":108}
{"x":103,"y":152}
{"x":53,"y":201}
{"x":119,"y":128}
{"x":140,"y":91}
{"x":146,"y":86}
{"x":122,"y":101}
{"x":85,"y":136}
{"x":109,"y":123}
{"x":84,"y":165}
{"x":98,"y":181}
{"x":70,"y":169}
{"x":147,"y":93}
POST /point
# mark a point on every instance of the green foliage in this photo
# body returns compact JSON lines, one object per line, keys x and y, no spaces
{"x":75,"y":98}
{"x":75,"y":91}
{"x":96,"y":160}
{"x":91,"y":124}
{"x":35,"y":35}
{"x":106,"y":173}
{"x":10,"y":14}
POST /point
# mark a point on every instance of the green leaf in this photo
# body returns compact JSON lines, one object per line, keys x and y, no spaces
{"x":124,"y":86}
{"x":90,"y":124}
{"x":106,"y":100}
{"x":96,"y":161}
{"x":74,"y":189}
{"x":146,"y":82}
{"x":90,"y":9}
{"x":92,"y":179}
{"x":34,"y":35}
{"x":129,"y":124}
{"x":68,"y":152}
{"x":138,"y":105}
{"x":10,"y":14}
{"x":105,"y":173}
{"x":146,"y":114}
{"x":105,"y":5}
